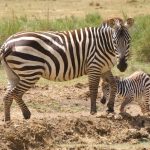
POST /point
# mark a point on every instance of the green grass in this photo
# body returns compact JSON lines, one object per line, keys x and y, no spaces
{"x":141,"y":39}
{"x":9,"y":26}
{"x":132,"y":67}
{"x":140,"y":33}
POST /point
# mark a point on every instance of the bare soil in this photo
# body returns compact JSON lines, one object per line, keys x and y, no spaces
{"x":61,"y":120}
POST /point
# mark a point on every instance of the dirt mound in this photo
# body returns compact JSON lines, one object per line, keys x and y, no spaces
{"x":61,"y":120}
{"x":73,"y":132}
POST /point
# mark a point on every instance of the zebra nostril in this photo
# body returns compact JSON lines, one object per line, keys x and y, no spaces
{"x":122,"y":66}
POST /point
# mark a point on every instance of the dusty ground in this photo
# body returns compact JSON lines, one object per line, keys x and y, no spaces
{"x":60,"y":120}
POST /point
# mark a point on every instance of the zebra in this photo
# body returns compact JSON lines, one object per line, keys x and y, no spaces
{"x":64,"y":55}
{"x":134,"y":87}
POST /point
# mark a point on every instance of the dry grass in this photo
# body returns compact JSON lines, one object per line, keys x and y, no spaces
{"x":52,"y":9}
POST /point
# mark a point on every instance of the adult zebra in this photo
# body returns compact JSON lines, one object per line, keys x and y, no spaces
{"x":134,"y":87}
{"x":63,"y":56}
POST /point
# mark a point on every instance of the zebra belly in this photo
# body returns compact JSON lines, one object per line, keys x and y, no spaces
{"x":60,"y":76}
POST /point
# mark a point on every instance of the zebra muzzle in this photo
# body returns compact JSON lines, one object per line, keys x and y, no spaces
{"x":103,"y":100}
{"x":122,"y":65}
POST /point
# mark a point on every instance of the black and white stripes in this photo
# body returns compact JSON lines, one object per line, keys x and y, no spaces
{"x":61,"y":56}
{"x":134,"y":87}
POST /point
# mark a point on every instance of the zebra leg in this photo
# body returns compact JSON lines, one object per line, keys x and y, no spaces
{"x":108,"y":76}
{"x":13,"y":80}
{"x":25,"y":111}
{"x":18,"y":92}
{"x":8,"y":99}
{"x":127,"y":100}
{"x":93,"y":87}
{"x":104,"y":91}
{"x":145,"y":105}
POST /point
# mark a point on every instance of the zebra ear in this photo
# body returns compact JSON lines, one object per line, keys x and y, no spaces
{"x":115,"y":22}
{"x":129,"y":22}
{"x":111,"y":22}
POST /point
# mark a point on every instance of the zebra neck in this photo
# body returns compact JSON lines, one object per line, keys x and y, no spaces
{"x":104,"y":42}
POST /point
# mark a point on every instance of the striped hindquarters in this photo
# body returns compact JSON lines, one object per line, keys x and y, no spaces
{"x":135,"y":86}
{"x":54,"y":55}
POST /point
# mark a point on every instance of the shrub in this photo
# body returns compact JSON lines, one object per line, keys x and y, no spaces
{"x":9,"y":26}
{"x":141,"y":39}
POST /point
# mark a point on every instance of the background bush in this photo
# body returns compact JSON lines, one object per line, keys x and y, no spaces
{"x":141,"y":39}
{"x":140,"y":32}
{"x":17,"y":24}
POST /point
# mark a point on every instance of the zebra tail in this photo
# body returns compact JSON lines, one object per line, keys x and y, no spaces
{"x":1,"y":54}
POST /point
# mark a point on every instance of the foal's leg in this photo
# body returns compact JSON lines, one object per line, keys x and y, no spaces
{"x":128,"y":99}
{"x":145,"y":105}
{"x":108,"y":76}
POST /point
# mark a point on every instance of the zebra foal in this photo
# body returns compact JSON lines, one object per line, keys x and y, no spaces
{"x":134,"y":87}
{"x":60,"y":56}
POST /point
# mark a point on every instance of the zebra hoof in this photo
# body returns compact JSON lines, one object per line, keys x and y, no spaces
{"x":93,"y":112}
{"x":27,"y":115}
{"x":6,"y":120}
{"x":110,"y":110}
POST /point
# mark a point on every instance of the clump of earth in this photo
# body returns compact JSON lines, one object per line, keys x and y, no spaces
{"x":61,"y":120}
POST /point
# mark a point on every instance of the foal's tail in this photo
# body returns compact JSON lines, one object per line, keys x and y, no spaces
{"x":2,"y":51}
{"x":1,"y":54}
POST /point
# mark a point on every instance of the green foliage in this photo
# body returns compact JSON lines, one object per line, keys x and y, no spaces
{"x":140,"y":32}
{"x":141,"y":39}
{"x":17,"y":24}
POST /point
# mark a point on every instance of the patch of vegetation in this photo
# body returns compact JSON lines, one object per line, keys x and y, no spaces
{"x":9,"y":26}
{"x":141,"y":39}
{"x":3,"y":80}
{"x":140,"y":31}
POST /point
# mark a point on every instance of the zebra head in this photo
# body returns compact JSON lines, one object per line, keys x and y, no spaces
{"x":105,"y":89}
{"x":104,"y":92}
{"x":121,"y":40}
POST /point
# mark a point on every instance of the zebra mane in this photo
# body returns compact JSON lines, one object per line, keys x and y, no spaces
{"x":112,"y":21}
